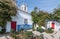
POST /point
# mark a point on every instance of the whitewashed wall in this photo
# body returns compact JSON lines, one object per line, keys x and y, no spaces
{"x":19,"y":18}
{"x":24,"y":15}
{"x":57,"y":25}
{"x":8,"y":26}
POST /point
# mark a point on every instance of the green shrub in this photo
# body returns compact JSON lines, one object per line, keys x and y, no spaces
{"x":49,"y":30}
{"x":14,"y":36}
{"x":2,"y":31}
{"x":17,"y":37}
{"x":28,"y":33}
{"x":40,"y":29}
{"x":12,"y":31}
{"x":26,"y":37}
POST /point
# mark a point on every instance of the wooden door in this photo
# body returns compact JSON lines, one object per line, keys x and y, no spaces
{"x":13,"y":25}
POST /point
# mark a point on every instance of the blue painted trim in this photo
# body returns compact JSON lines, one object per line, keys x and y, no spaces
{"x":24,"y":26}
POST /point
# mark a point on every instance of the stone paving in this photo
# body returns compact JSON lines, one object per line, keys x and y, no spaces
{"x":55,"y":35}
{"x":5,"y":36}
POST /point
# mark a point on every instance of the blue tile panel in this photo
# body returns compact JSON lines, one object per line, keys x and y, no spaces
{"x":24,"y":26}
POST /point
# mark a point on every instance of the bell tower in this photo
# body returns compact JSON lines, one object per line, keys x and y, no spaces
{"x":23,"y":7}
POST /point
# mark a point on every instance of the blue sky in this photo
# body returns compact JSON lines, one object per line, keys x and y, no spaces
{"x":45,"y":5}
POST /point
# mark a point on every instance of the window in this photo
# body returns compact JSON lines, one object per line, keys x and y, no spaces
{"x":22,"y":8}
{"x":25,"y":8}
{"x":25,"y":21}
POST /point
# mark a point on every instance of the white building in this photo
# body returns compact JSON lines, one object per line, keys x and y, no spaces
{"x":54,"y":24}
{"x":21,"y":20}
